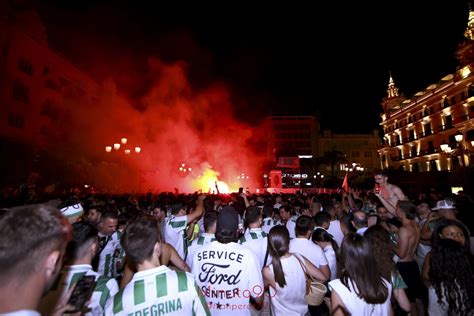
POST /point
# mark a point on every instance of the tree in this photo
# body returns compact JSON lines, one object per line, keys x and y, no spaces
{"x":332,"y":158}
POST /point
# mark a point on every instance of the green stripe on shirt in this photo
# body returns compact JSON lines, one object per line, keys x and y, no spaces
{"x":254,"y":235}
{"x":182,"y":281}
{"x":101,"y":286}
{"x":118,"y":307}
{"x":139,"y":292}
{"x":161,"y":285}
{"x":178,"y":224}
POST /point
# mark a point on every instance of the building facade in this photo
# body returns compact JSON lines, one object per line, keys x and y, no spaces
{"x":359,"y":150}
{"x":292,"y":136}
{"x":38,"y":88}
{"x":434,"y":129}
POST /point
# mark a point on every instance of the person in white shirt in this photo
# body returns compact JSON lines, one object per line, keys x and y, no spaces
{"x":80,"y":252}
{"x":286,"y":275}
{"x":154,"y":289}
{"x":360,"y":222}
{"x":228,"y":273}
{"x":175,"y":227}
{"x":33,"y":242}
{"x":268,"y":221}
{"x":288,"y":220}
{"x":108,"y":242}
{"x":361,"y":289}
{"x":337,"y":228}
{"x":304,"y":246}
{"x":210,"y":220}
{"x":324,"y":240}
{"x":255,"y":239}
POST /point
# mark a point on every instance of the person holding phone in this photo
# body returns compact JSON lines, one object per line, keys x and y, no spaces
{"x":80,"y":252}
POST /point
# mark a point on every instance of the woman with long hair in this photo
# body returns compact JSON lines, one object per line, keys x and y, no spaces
{"x":379,"y":239}
{"x":323,"y":239}
{"x":286,"y":275}
{"x":360,"y":289}
{"x":445,"y":229}
{"x":452,"y":280}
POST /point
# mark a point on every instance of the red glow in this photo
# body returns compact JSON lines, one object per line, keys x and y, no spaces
{"x":175,"y":127}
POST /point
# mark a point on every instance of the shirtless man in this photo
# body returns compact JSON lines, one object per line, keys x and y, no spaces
{"x":408,"y":239}
{"x":389,"y":194}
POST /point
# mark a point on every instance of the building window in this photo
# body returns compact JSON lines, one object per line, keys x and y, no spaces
{"x":463,"y":95}
{"x":427,"y":128}
{"x":445,"y":103}
{"x":15,"y":121}
{"x":448,"y":121}
{"x":25,"y":66}
{"x":413,"y":151}
{"x":20,"y":92}
{"x":470,"y":92}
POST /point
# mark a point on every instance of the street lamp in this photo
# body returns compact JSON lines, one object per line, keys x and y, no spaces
{"x":460,"y":151}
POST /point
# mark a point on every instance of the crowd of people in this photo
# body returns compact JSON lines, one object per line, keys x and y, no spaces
{"x":375,"y":252}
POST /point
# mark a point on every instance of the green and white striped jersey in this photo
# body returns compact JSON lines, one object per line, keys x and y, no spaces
{"x":175,"y":231}
{"x":255,"y":239}
{"x":268,"y":223}
{"x":104,"y":289}
{"x":197,"y":243}
{"x":106,"y":257}
{"x":159,"y":291}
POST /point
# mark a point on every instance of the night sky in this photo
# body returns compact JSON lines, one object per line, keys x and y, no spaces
{"x":280,"y":59}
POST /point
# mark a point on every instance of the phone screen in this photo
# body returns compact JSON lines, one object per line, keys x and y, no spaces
{"x":82,"y":292}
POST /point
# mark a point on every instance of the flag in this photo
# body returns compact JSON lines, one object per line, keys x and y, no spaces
{"x":345,"y":184}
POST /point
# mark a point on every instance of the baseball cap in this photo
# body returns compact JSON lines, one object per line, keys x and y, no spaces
{"x":444,"y":205}
{"x":228,"y":219}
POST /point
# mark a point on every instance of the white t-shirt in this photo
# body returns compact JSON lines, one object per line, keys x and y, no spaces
{"x":291,"y":225}
{"x":336,"y":231}
{"x":356,"y":305}
{"x":255,"y":239}
{"x":197,"y":243}
{"x":227,"y":274}
{"x":289,"y":300}
{"x":175,"y":230}
{"x":310,"y":250}
{"x":159,"y":291}
{"x":104,"y":289}
{"x":332,"y":261}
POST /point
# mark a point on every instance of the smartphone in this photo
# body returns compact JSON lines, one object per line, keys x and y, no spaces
{"x":82,"y":293}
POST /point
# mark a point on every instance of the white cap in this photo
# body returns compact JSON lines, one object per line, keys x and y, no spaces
{"x":444,"y":205}
{"x":73,"y":210}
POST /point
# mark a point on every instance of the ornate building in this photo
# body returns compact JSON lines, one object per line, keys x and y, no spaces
{"x":434,"y":129}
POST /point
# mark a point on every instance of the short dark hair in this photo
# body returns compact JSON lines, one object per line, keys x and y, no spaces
{"x":268,"y":210}
{"x":322,"y":217}
{"x":29,"y":234}
{"x":210,"y":218}
{"x":381,"y":173}
{"x":140,"y":238}
{"x":252,"y":214}
{"x":304,"y":224}
{"x":83,"y":234}
{"x":408,"y":208}
{"x":109,"y":214}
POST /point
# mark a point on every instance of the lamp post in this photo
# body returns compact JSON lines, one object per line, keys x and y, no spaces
{"x":127,"y":151}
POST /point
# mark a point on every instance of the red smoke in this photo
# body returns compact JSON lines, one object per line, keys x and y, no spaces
{"x":173,"y":125}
